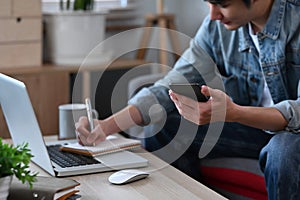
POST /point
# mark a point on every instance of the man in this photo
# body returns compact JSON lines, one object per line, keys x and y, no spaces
{"x":255,"y":45}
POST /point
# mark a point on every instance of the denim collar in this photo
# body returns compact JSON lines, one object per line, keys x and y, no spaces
{"x":244,"y":40}
{"x":271,"y":29}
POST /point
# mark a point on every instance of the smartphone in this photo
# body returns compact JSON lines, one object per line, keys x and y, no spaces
{"x":191,"y":90}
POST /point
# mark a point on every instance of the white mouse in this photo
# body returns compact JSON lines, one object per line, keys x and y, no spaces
{"x":127,"y":176}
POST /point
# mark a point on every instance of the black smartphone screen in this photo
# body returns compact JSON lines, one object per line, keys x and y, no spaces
{"x":191,"y":90}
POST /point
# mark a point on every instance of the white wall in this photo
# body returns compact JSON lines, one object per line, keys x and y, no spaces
{"x":189,"y":13}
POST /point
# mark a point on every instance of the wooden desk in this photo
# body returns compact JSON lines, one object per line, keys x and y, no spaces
{"x":49,"y":86}
{"x":164,"y":182}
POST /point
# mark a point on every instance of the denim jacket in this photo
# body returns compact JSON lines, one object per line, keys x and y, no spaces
{"x":242,"y":69}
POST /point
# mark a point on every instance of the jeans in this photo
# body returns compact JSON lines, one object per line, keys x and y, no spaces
{"x":280,"y":162}
{"x":175,"y":145}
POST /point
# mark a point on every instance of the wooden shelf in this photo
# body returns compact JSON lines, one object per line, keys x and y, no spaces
{"x":50,"y":68}
{"x":122,"y":27}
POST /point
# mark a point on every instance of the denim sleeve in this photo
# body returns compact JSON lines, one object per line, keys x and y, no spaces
{"x":148,"y":105}
{"x":290,"y":109}
{"x":194,"y":66}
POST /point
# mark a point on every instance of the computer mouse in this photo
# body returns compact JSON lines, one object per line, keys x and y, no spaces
{"x":127,"y":176}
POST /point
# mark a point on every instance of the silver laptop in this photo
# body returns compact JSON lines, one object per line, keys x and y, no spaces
{"x":23,"y":127}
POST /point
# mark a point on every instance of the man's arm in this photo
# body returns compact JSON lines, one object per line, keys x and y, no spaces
{"x":283,"y":115}
{"x":259,"y":117}
{"x":122,"y":120}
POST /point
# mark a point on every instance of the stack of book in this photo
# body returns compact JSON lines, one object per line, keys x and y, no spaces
{"x":46,"y":188}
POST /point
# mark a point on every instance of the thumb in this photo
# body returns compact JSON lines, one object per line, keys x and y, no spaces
{"x":214,"y":93}
{"x":207,"y":91}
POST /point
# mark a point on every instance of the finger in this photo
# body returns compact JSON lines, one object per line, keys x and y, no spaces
{"x":173,"y":95}
{"x":78,"y":138}
{"x":207,"y":91}
{"x":173,"y":98}
{"x":188,"y":102}
{"x":82,"y":140}
{"x":193,"y":110}
{"x":216,"y":94}
{"x":83,"y":120}
{"x":178,"y":108}
{"x":100,"y":138}
{"x":184,"y":99}
{"x":92,"y":137}
{"x":94,"y":134}
{"x":81,"y":135}
{"x":81,"y":126}
{"x":196,"y":118}
{"x":82,"y":131}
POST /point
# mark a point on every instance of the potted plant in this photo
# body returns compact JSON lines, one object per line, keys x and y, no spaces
{"x":72,"y":32}
{"x":77,"y":5}
{"x":14,"y":161}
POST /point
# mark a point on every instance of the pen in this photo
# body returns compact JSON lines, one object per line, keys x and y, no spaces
{"x":89,"y":113}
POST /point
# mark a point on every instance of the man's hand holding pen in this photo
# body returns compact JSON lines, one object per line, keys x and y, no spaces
{"x":87,"y":133}
{"x":86,"y":137}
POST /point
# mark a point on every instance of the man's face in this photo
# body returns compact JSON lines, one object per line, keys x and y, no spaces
{"x":233,"y":13}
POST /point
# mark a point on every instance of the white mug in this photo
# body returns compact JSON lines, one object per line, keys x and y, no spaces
{"x":69,"y":114}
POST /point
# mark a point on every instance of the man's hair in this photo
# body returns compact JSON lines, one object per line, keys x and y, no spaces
{"x":247,"y":2}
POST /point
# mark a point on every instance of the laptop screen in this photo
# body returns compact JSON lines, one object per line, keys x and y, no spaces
{"x":21,"y":120}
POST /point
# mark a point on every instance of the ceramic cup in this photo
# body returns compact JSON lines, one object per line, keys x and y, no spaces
{"x":69,"y":114}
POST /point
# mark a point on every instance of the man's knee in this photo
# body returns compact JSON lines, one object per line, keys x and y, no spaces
{"x":281,"y":150}
{"x":280,"y":162}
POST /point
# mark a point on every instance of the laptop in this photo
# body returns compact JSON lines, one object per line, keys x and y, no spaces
{"x":23,"y":127}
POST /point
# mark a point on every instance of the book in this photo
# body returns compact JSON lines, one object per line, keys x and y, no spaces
{"x":111,"y":144}
{"x":46,"y":188}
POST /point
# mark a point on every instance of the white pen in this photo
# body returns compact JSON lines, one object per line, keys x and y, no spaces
{"x":89,"y":113}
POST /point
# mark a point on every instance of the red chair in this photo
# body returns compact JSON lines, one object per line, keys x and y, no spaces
{"x":235,"y":178}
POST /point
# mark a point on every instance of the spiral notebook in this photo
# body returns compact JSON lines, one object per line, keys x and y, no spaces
{"x":111,"y":144}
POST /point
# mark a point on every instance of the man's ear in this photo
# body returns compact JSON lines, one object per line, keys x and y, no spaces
{"x":258,"y":3}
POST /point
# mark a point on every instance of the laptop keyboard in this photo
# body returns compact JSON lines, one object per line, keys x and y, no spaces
{"x":67,"y":159}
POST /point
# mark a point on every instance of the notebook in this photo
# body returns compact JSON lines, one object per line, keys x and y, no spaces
{"x":112,"y":144}
{"x":23,"y":127}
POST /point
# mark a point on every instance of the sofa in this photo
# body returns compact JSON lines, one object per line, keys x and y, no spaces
{"x":234,"y":178}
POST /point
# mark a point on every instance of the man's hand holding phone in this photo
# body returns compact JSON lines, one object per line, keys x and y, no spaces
{"x":190,"y":101}
{"x":218,"y":107}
